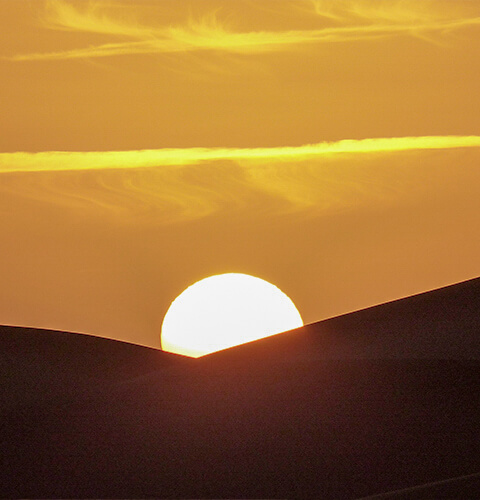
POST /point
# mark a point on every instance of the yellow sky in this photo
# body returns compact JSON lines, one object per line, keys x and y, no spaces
{"x":330,"y":147}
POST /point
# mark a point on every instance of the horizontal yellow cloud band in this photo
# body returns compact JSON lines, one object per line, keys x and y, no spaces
{"x":51,"y":161}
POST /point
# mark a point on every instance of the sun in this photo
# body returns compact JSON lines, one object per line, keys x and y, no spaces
{"x":226,"y":310}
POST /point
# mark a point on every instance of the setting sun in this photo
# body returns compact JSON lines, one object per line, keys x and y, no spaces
{"x":331,"y":146}
{"x":232,"y":234}
{"x":224,"y":311}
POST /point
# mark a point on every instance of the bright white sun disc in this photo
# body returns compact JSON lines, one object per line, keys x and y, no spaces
{"x":224,"y":311}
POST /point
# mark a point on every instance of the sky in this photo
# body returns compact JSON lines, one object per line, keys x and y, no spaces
{"x":329,"y":147}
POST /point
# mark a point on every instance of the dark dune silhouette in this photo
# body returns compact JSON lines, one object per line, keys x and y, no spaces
{"x":378,"y":400}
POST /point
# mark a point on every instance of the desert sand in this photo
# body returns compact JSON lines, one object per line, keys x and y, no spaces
{"x":373,"y":401}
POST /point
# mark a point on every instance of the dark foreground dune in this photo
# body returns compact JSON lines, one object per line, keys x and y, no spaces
{"x":378,"y":400}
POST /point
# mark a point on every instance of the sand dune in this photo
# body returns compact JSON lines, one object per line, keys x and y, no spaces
{"x":376,"y":400}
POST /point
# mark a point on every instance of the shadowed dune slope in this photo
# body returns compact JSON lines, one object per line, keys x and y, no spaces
{"x":43,"y":365}
{"x":376,"y":400}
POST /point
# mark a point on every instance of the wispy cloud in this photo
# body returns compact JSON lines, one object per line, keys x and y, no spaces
{"x":352,"y":20}
{"x":393,"y":12}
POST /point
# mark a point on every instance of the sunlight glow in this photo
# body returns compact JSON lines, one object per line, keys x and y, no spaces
{"x":224,"y":311}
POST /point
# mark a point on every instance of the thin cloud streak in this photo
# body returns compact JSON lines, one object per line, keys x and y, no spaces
{"x":210,"y":34}
{"x":167,"y":186}
{"x":395,"y":12}
{"x":50,"y":161}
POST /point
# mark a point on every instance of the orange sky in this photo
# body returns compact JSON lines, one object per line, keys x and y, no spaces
{"x":329,"y":147}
